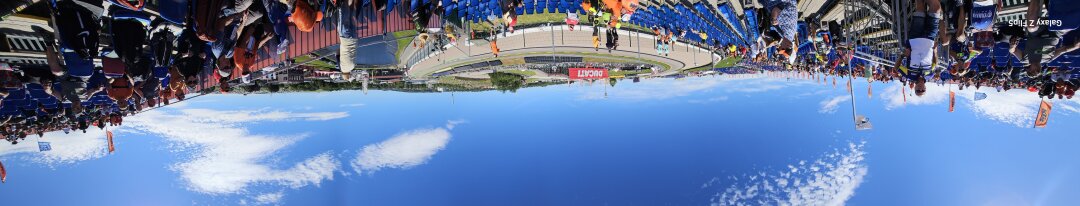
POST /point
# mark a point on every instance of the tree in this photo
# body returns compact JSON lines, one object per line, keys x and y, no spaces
{"x":507,"y":81}
{"x":252,"y":88}
{"x":274,"y":88}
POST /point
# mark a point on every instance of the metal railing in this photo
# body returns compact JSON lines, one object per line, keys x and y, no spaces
{"x":434,"y":45}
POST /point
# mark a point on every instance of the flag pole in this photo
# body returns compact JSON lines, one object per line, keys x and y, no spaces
{"x":854,"y":118}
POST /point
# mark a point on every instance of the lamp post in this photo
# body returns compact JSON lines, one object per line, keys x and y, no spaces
{"x":552,"y":42}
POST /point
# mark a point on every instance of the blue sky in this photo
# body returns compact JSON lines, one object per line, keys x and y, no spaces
{"x":693,"y":141}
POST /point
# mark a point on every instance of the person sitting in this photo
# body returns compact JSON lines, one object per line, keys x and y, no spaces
{"x":129,"y":36}
{"x":223,"y":74}
{"x":120,"y":90}
{"x":252,"y":39}
{"x":1043,"y":40}
{"x":70,"y":86}
{"x":177,"y":83}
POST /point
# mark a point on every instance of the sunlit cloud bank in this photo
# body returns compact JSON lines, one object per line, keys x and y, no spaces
{"x":1016,"y":107}
{"x":66,"y":148}
{"x":829,"y":180}
{"x":227,"y":158}
{"x":404,"y":150}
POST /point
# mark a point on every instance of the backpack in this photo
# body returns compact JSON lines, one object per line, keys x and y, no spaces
{"x":78,"y":28}
{"x":161,"y":43}
{"x":129,"y":36}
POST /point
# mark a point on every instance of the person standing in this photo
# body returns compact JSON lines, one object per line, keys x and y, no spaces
{"x":347,"y":37}
{"x":920,"y":48}
{"x":596,"y":38}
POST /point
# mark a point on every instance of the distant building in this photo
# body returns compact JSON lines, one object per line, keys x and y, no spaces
{"x":387,"y":75}
{"x":291,"y":75}
{"x":21,"y":45}
{"x":322,"y":75}
{"x":1013,"y":10}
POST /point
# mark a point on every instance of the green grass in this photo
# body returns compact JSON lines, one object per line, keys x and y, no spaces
{"x":469,"y":83}
{"x":528,"y":20}
{"x":403,"y":40}
{"x":517,"y":58}
{"x":729,"y":62}
{"x":322,"y":65}
{"x":629,"y":72}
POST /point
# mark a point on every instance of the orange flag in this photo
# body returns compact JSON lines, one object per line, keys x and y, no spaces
{"x":3,"y":173}
{"x":112,"y":148}
{"x":849,"y":86}
{"x":952,"y":100}
{"x":1044,"y":114}
{"x":869,"y":91}
{"x":903,"y":92}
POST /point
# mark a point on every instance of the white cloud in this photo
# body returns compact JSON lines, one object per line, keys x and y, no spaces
{"x":66,"y":148}
{"x":269,"y":198}
{"x":709,"y":100}
{"x":660,"y":89}
{"x":403,"y":150}
{"x":352,"y":105}
{"x":227,"y":158}
{"x":1017,"y":107}
{"x":814,"y":93}
{"x":830,"y":180}
{"x":206,"y":115}
{"x":894,"y":97}
{"x":1070,"y":108}
{"x":452,"y":123}
{"x":829,"y":105}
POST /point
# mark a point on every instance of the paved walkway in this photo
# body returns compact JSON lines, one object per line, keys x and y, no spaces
{"x":539,"y":40}
{"x":483,"y":74}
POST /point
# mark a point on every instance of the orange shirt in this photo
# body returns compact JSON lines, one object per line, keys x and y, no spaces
{"x":305,"y":17}
{"x":616,"y":11}
{"x":628,"y":6}
{"x":243,"y":58}
{"x":121,"y":89}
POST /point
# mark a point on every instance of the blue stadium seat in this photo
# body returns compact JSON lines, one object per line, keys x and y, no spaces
{"x":551,"y":4}
{"x":76,"y":66}
{"x":563,"y":5}
{"x":540,"y":6}
{"x":530,"y":6}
